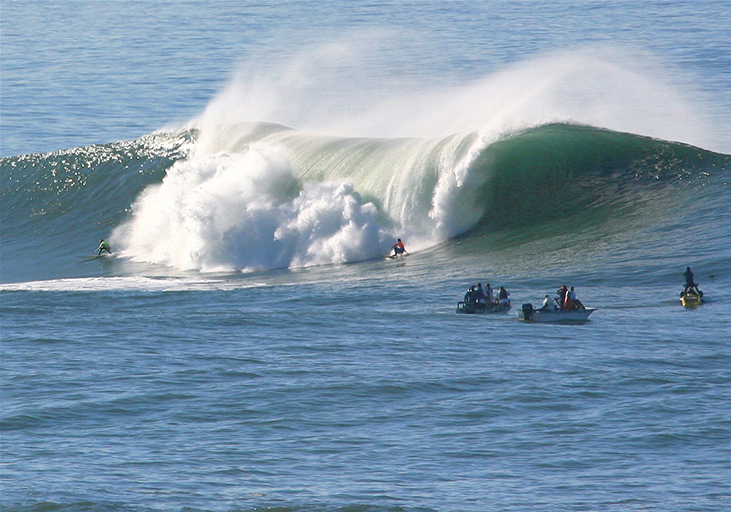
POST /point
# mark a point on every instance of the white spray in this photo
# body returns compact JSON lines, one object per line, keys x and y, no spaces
{"x":296,"y":198}
{"x":247,"y":212}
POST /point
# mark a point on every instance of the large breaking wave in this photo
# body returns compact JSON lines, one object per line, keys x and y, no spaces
{"x":281,"y":198}
{"x":522,"y":147}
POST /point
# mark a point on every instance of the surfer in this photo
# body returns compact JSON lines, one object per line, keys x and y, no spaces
{"x":398,"y":248}
{"x":104,"y":246}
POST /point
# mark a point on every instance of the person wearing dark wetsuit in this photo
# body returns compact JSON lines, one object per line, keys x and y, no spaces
{"x":104,"y":246}
{"x":688,"y":275}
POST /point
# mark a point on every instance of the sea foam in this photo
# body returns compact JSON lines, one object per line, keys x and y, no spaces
{"x":248,"y":212}
{"x":362,"y":168}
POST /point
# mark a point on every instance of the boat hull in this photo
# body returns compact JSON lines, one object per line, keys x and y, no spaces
{"x":691,"y":297}
{"x":690,"y":300}
{"x":544,"y":315}
{"x":481,"y":309}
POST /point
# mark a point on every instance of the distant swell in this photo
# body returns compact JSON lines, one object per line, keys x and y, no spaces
{"x":58,"y":193}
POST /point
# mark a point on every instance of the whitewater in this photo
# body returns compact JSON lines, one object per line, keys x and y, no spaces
{"x":256,"y":196}
{"x":250,"y":196}
{"x":247,"y":347}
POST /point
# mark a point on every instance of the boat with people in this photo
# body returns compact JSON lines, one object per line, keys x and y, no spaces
{"x":471,"y":308}
{"x":691,"y":295}
{"x":564,"y":308}
{"x":528,"y":313}
{"x":479,"y":300}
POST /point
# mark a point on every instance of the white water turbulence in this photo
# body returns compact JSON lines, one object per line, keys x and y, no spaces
{"x":281,"y":198}
{"x":255,"y":195}
{"x":247,"y":212}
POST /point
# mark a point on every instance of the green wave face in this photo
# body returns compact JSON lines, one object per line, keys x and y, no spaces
{"x":266,"y":196}
{"x":548,"y":172}
{"x":562,"y":170}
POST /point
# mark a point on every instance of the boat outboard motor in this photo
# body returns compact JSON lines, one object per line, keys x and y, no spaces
{"x":527,"y":311}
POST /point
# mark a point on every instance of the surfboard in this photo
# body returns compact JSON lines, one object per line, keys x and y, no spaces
{"x":96,"y":256}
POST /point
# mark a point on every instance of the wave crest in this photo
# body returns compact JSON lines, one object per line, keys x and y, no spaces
{"x":286,"y":198}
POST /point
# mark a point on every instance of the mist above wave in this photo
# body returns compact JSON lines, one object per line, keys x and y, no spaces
{"x":368,"y":160}
{"x":367,"y":88}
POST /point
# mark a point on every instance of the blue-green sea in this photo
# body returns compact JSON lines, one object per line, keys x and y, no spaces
{"x":247,"y":347}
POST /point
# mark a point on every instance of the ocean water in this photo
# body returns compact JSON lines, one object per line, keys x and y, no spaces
{"x":248,"y":347}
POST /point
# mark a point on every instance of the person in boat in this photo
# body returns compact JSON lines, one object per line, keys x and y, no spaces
{"x":574,"y":303}
{"x":479,"y":294}
{"x":469,"y":297}
{"x":503,"y":296}
{"x":549,"y":304}
{"x":690,"y":285}
{"x":689,"y":282}
{"x":562,"y":292}
{"x":104,"y":246}
{"x":691,"y":288}
{"x":569,"y":298}
{"x":398,"y":248}
{"x":489,"y":297}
